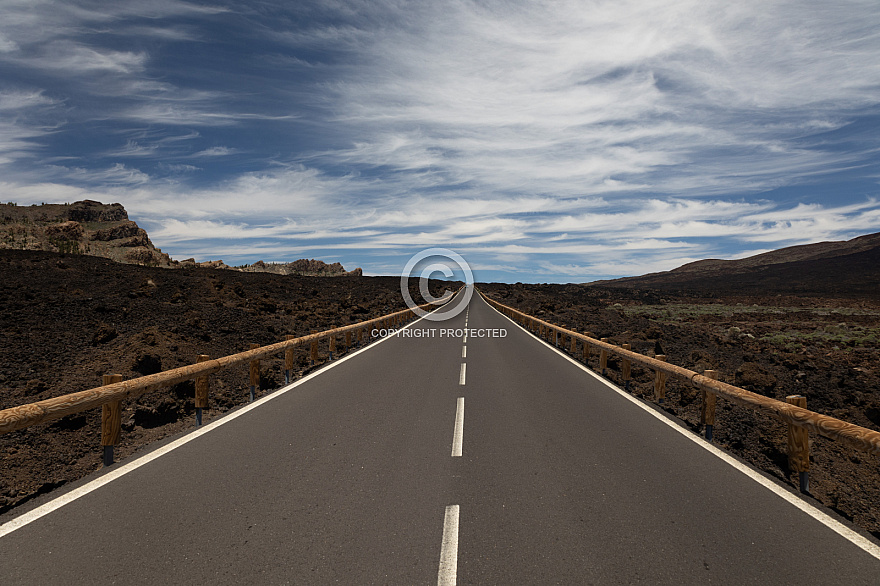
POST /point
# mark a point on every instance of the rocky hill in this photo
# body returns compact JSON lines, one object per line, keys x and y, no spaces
{"x":84,"y":227}
{"x":848,"y":268}
{"x":97,"y":229}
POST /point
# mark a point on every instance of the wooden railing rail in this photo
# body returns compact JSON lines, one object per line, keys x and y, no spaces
{"x":22,"y":416}
{"x":852,"y":435}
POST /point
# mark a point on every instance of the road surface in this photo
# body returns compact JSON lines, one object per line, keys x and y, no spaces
{"x":434,"y":458}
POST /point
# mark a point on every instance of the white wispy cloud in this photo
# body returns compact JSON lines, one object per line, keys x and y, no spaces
{"x":118,"y":174}
{"x":73,"y":59}
{"x":134,"y":149}
{"x":20,"y":100}
{"x":218,"y":151}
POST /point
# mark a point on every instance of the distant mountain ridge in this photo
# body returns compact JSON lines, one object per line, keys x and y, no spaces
{"x":302,"y":267}
{"x":784,"y":255}
{"x":845,"y":268}
{"x":97,"y":229}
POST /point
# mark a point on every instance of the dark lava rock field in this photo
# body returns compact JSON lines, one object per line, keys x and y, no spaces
{"x":68,"y":319}
{"x":824,"y":348}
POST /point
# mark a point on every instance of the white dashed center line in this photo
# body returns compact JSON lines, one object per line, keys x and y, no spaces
{"x":446,"y":576}
{"x":461,"y":376}
{"x":464,"y":351}
{"x":458,"y":434}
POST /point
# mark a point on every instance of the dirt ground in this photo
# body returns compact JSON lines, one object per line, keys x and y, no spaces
{"x":69,"y":319}
{"x":823,"y":348}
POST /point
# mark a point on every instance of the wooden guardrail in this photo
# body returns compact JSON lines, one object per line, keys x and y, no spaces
{"x":114,"y":390}
{"x":793,"y":412}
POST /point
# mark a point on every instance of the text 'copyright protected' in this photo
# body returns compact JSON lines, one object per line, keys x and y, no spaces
{"x":439,"y":332}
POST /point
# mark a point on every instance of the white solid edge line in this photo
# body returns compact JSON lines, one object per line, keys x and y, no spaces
{"x":464,"y":351}
{"x":123,"y":469}
{"x":852,"y":536}
{"x":446,"y":575}
{"x":458,"y":433}
{"x":461,"y":375}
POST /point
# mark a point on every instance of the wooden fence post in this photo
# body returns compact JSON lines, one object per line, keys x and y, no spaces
{"x":799,"y":446}
{"x":111,"y":421}
{"x":255,"y":375}
{"x":626,"y":369}
{"x":347,"y":340}
{"x":660,"y":381}
{"x":288,"y":362}
{"x":707,"y":411}
{"x":332,"y":346}
{"x":587,"y":351}
{"x":603,"y":357}
{"x":360,"y":336}
{"x":574,"y":345}
{"x":314,"y":352}
{"x":201,"y":391}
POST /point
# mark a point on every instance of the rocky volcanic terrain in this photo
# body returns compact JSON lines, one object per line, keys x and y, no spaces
{"x":797,"y":331}
{"x":68,"y":319}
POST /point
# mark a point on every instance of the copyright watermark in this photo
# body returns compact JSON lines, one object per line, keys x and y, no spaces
{"x":439,"y":332}
{"x":429,"y":262}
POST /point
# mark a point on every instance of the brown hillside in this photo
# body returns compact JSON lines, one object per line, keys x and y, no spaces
{"x":836,"y":269}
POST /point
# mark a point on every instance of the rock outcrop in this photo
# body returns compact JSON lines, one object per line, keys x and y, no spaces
{"x":302,"y":267}
{"x":84,"y":227}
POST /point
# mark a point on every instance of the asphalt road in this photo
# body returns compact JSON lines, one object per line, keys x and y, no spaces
{"x":353,"y":477}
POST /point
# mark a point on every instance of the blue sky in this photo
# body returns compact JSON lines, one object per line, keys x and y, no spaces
{"x":548,"y":141}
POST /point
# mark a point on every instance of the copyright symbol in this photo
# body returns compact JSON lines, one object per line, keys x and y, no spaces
{"x":442,"y":261}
